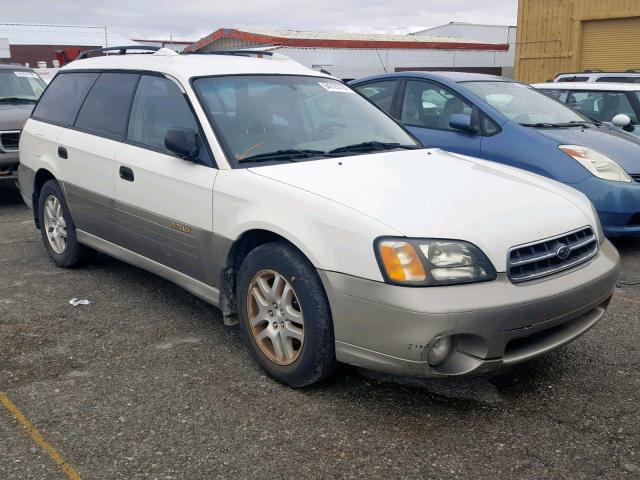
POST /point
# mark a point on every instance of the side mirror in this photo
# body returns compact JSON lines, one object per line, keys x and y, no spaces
{"x":621,"y":120}
{"x":461,"y":121}
{"x":183,"y":142}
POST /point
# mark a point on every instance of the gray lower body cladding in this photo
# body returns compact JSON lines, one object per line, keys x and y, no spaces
{"x":110,"y":225}
{"x":390,"y":328}
{"x":197,"y":253}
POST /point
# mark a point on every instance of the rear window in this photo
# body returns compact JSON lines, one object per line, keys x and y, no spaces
{"x":61,"y":100}
{"x":106,"y":109}
{"x":572,"y":79}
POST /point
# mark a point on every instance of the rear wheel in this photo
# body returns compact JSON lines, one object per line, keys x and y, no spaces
{"x":57,"y":228}
{"x":285,"y":315}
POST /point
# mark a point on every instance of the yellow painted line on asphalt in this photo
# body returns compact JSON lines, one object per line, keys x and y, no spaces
{"x":35,"y":435}
{"x":626,"y":299}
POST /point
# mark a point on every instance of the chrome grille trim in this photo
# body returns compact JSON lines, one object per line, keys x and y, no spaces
{"x":9,"y":140}
{"x":635,"y":176}
{"x":540,"y":259}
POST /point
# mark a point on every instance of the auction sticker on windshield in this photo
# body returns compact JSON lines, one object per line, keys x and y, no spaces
{"x":26,"y":74}
{"x":335,"y":87}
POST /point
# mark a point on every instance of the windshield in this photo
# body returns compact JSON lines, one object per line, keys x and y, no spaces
{"x":288,"y":118}
{"x":20,"y":85}
{"x":524,"y":104}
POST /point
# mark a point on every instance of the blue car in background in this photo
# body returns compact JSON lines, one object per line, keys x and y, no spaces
{"x":509,"y":122}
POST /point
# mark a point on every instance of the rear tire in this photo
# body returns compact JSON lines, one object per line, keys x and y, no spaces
{"x":57,"y":228}
{"x":285,"y":315}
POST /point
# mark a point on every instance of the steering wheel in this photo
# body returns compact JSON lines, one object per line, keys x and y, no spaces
{"x":324,"y":129}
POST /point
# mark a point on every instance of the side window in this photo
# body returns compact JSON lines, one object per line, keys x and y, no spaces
{"x":489,"y":127}
{"x":106,"y":109}
{"x":158,"y":105}
{"x":615,"y":79}
{"x":380,"y":93}
{"x":62,"y":99}
{"x":572,"y":79}
{"x":431,"y":106}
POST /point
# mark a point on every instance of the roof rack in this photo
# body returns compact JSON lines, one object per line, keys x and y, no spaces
{"x":243,"y":53}
{"x":121,"y":50}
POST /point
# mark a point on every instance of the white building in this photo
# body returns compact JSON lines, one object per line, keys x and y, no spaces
{"x":504,"y":34}
{"x":349,"y":56}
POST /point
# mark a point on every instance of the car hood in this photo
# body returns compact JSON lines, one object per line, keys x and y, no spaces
{"x":619,"y":146}
{"x":13,"y":116}
{"x":432,"y":193}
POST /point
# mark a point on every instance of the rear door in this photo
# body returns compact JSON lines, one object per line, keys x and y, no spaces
{"x":55,"y":112}
{"x":426,"y":110}
{"x":87,"y":152}
{"x":163,"y":205}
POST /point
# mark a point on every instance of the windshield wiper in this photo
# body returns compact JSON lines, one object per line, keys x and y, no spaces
{"x":17,"y":100}
{"x":289,"y":154}
{"x":573,"y":123}
{"x":371,"y":147}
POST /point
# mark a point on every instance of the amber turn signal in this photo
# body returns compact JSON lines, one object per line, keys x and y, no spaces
{"x":401,"y":262}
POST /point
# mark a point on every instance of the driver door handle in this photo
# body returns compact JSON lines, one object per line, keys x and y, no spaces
{"x":126,"y":174}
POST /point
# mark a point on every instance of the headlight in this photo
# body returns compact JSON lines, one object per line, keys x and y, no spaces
{"x":426,"y":262}
{"x":598,"y":164}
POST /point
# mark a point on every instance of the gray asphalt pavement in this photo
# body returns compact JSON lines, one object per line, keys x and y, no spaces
{"x":146,"y":382}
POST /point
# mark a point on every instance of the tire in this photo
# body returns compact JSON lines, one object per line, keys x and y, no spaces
{"x":71,"y":253}
{"x":297,"y":363}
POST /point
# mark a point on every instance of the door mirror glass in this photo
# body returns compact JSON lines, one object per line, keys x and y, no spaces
{"x":461,"y":121}
{"x":183,"y":142}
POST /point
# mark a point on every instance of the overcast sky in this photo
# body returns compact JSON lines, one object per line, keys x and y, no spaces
{"x":192,"y":19}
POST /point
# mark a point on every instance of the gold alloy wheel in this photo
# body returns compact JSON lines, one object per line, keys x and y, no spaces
{"x":54,"y":224}
{"x":275,"y":317}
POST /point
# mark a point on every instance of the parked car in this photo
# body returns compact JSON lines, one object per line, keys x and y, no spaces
{"x":280,"y":195}
{"x":614,"y":103}
{"x":512,"y":123}
{"x":20,"y":88}
{"x":630,"y":76}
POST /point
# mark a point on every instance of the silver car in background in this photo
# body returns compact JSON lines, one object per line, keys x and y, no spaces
{"x":20,"y":89}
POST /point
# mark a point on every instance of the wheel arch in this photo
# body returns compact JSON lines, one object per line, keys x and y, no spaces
{"x":241,"y":247}
{"x":41,"y":177}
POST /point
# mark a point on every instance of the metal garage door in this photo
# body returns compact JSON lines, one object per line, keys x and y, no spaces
{"x":612,"y":44}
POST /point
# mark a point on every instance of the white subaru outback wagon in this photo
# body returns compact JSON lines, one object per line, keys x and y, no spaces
{"x":302,"y":211}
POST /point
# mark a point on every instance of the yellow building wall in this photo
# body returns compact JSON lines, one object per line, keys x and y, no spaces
{"x":549,"y":34}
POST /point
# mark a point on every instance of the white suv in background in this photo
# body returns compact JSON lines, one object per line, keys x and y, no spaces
{"x":300,"y":209}
{"x":613,"y":103}
{"x":631,"y":76}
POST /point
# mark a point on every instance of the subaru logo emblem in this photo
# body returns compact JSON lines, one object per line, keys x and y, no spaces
{"x":563,"y":252}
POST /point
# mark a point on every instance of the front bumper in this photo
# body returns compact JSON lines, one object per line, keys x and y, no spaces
{"x":390,"y":328}
{"x":617,"y":203}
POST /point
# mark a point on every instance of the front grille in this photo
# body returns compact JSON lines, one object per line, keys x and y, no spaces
{"x":539,"y":259}
{"x":635,"y":176}
{"x":9,"y":141}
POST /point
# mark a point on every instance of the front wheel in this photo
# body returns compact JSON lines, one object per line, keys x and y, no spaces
{"x":285,"y":315}
{"x":57,"y":228}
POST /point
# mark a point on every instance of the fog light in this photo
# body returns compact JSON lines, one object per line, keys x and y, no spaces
{"x":439,"y":350}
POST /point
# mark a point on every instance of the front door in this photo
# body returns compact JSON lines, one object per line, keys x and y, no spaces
{"x":163,"y":207}
{"x":426,"y":110}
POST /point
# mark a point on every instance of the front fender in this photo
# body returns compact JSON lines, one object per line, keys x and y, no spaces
{"x":332,"y":236}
